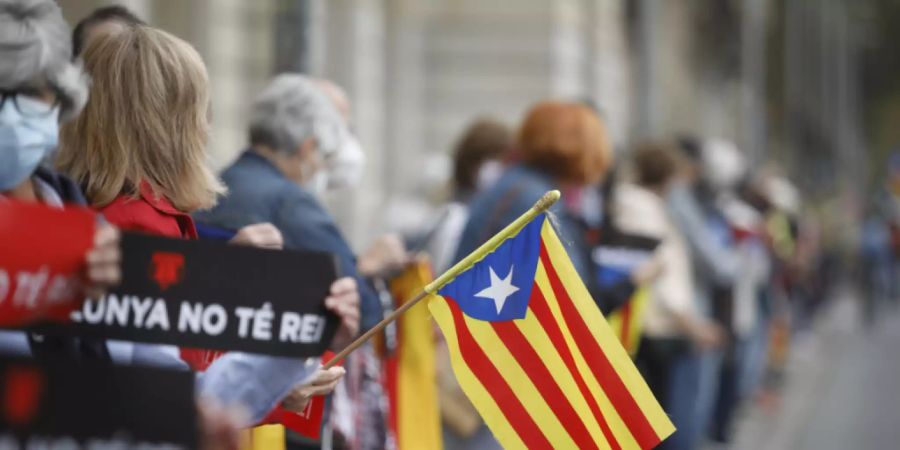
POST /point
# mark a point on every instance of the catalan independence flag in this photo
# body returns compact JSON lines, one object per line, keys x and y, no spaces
{"x":536,"y":357}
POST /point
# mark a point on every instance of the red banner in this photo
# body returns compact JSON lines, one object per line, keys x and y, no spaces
{"x":42,"y":260}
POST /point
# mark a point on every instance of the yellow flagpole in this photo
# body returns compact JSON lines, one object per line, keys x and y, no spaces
{"x":542,"y":205}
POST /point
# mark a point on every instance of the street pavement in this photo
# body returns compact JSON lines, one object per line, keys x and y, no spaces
{"x":842,"y":389}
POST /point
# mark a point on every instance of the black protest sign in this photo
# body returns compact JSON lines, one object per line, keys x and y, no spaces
{"x":619,"y":253}
{"x":620,"y":239}
{"x":76,"y":405}
{"x":206,"y":294}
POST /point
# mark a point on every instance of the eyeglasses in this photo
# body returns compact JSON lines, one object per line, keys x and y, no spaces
{"x":30,"y":102}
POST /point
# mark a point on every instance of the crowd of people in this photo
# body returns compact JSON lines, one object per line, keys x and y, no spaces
{"x":115,"y":117}
{"x":879,"y":243}
{"x":735,"y":273}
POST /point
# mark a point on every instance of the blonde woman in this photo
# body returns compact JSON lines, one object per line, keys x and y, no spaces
{"x":138,"y":149}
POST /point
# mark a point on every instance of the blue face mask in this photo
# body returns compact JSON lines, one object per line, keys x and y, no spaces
{"x":24,"y":141}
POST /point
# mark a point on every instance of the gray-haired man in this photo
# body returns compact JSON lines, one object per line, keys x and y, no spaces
{"x":295,"y":130}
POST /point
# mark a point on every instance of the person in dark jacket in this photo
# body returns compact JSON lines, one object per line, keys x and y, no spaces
{"x":39,"y":87}
{"x":560,"y":145}
{"x":295,"y":130}
{"x":297,"y":136}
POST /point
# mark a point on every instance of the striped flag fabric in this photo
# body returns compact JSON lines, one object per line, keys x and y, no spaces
{"x":536,"y":357}
{"x":615,"y":258}
{"x":627,"y":321}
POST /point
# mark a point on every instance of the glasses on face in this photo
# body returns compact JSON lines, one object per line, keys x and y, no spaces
{"x":30,"y":102}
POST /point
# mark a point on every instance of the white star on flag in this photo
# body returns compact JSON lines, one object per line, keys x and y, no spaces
{"x":499,"y":290}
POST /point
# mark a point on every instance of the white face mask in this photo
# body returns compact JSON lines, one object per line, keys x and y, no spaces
{"x":314,"y":182}
{"x":318,"y":183}
{"x":345,"y":167}
{"x":24,"y":141}
{"x":488,"y":174}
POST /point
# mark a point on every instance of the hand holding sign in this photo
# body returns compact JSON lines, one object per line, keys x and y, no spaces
{"x":259,"y":235}
{"x":103,"y":262}
{"x":344,"y":301}
{"x":322,"y":382}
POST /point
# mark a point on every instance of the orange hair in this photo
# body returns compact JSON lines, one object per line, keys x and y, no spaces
{"x":566,"y":140}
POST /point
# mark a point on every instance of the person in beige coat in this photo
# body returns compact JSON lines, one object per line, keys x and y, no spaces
{"x":674,"y":328}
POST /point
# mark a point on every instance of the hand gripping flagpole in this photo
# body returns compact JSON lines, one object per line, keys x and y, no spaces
{"x":511,"y":230}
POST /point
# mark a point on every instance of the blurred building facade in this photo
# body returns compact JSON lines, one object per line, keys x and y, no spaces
{"x":417,"y":71}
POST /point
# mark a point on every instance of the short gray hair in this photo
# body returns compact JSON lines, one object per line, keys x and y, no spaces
{"x":35,"y":43}
{"x":292,"y":109}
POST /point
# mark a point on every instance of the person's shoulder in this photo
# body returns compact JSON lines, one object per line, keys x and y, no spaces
{"x":252,"y":184}
{"x":252,"y":179}
{"x":637,"y":199}
{"x":525,"y":189}
{"x":629,"y":192}
{"x":299,"y":206}
{"x":65,"y":187}
{"x":254,"y":166}
{"x":526,"y":183}
{"x":239,"y":168}
{"x":306,"y":223}
{"x":136,"y":214}
{"x":638,"y":210}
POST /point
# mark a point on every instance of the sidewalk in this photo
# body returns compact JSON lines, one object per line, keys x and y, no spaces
{"x":842,"y":389}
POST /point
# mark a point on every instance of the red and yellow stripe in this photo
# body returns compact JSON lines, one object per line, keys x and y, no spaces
{"x":557,"y":378}
{"x":414,"y":416}
{"x":627,"y":321}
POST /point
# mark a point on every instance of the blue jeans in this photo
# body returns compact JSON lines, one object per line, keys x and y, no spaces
{"x":481,"y":440}
{"x":729,"y":393}
{"x":710,"y":377}
{"x":693,"y":383}
{"x":755,"y":358}
{"x":681,"y":405}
